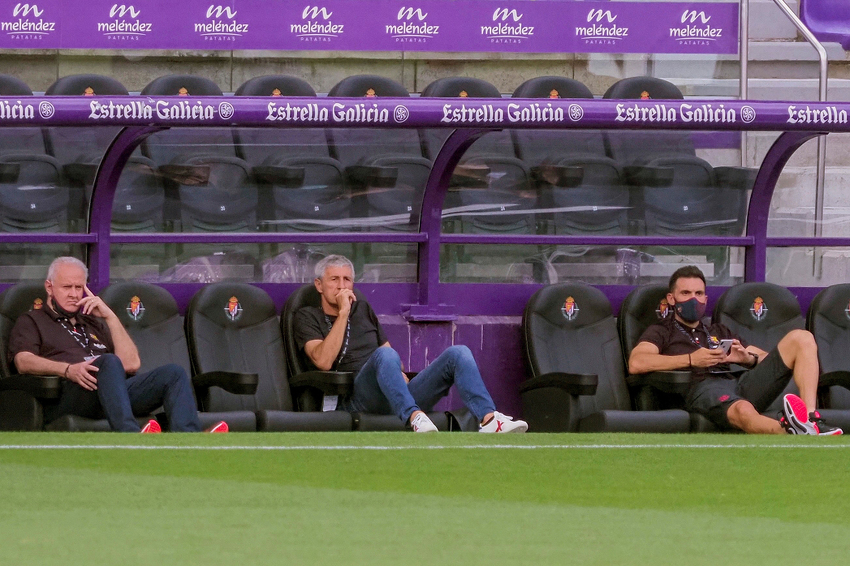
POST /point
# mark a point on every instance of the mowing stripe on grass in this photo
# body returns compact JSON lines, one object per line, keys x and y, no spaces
{"x":469,"y":447}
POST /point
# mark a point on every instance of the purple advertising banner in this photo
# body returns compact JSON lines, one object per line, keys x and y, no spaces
{"x":689,"y":114}
{"x":374,"y":25}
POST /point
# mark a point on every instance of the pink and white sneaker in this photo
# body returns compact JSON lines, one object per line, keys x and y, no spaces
{"x":796,"y":419}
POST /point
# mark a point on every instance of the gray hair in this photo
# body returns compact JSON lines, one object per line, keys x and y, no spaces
{"x":65,"y":260}
{"x":333,"y":261}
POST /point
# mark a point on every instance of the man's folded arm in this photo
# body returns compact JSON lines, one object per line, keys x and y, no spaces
{"x":646,"y":357}
{"x":29,"y":363}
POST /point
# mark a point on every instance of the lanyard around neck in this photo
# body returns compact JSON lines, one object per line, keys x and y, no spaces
{"x":81,"y":335}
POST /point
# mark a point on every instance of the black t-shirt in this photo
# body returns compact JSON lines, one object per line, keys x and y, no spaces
{"x":49,"y":335}
{"x":674,"y":339}
{"x":364,"y":334}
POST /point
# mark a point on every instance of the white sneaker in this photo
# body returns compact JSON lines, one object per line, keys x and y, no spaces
{"x":503,"y":423}
{"x":421,"y":423}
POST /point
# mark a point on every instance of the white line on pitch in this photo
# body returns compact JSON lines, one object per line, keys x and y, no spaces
{"x":470,"y":447}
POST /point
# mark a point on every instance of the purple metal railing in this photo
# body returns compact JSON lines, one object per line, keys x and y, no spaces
{"x":470,"y":118}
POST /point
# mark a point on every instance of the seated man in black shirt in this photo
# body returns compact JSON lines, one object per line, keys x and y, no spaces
{"x":683,"y":341}
{"x":77,"y":336}
{"x":344,"y":335}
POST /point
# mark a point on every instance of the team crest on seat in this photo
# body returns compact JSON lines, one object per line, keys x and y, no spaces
{"x":570,"y":309}
{"x":233,"y":309}
{"x":135,"y":308}
{"x":758,"y":309}
{"x":663,"y":309}
{"x":37,"y":304}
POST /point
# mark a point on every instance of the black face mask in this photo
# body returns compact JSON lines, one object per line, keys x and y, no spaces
{"x":60,"y":311}
{"x":691,"y":310}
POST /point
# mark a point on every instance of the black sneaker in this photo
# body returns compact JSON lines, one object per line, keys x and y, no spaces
{"x":823,"y":428}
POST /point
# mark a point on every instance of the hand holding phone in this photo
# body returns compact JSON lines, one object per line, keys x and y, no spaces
{"x":726,"y":345}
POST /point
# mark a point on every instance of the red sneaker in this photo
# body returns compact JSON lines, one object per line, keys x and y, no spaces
{"x":152,"y":427}
{"x":220,"y":427}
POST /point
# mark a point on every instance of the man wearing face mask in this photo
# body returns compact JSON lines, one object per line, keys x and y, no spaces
{"x":683,"y":341}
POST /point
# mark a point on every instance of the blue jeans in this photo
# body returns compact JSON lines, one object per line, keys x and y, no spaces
{"x":379,"y":386}
{"x":119,"y":398}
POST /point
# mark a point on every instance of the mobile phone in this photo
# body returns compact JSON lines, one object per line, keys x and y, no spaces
{"x":726,"y":345}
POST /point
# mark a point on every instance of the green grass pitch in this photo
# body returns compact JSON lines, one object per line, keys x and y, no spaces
{"x":400,"y":498}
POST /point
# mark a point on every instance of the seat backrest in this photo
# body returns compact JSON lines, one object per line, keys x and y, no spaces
{"x":828,"y":20}
{"x":354,"y":146}
{"x":538,"y":146}
{"x":642,"y":307}
{"x":153,"y":321}
{"x":257,"y":145}
{"x":305,"y":296}
{"x":233,"y":327}
{"x":163,"y":147}
{"x":18,"y":140}
{"x":600,"y":203}
{"x":15,"y":301}
{"x":69,"y":145}
{"x":760,"y":313}
{"x":829,"y":321}
{"x":496,"y":143}
{"x":569,"y":327}
{"x":639,"y":147}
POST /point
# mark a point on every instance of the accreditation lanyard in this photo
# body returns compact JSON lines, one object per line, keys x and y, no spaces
{"x":80,"y":335}
{"x":347,"y":334}
{"x":690,"y":335}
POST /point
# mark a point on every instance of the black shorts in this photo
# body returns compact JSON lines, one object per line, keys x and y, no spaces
{"x":761,"y":385}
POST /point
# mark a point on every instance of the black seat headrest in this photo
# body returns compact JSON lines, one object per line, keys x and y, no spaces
{"x":13,"y":86}
{"x":140,"y":304}
{"x":185,"y":85}
{"x":454,"y":87}
{"x":368,"y":86}
{"x":228,"y":304}
{"x":552,"y":87}
{"x":833,"y":304}
{"x":569,"y":305}
{"x":275,"y":85}
{"x":86,"y":85}
{"x":757,"y":305}
{"x":644,"y":88}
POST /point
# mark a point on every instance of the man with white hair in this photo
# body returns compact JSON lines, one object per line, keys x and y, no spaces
{"x":77,"y":336}
{"x":344,"y":335}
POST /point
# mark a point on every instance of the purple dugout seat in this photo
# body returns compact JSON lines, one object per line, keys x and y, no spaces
{"x":829,"y":20}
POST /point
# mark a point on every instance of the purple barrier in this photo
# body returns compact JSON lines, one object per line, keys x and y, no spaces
{"x":690,"y":114}
{"x":829,"y":20}
{"x":376,"y":25}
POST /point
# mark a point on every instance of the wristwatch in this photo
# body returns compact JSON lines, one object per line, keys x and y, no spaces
{"x":755,"y":360}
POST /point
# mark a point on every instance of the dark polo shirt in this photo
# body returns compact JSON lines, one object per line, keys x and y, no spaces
{"x":45,"y":333}
{"x":364,"y":337}
{"x":675,"y":339}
